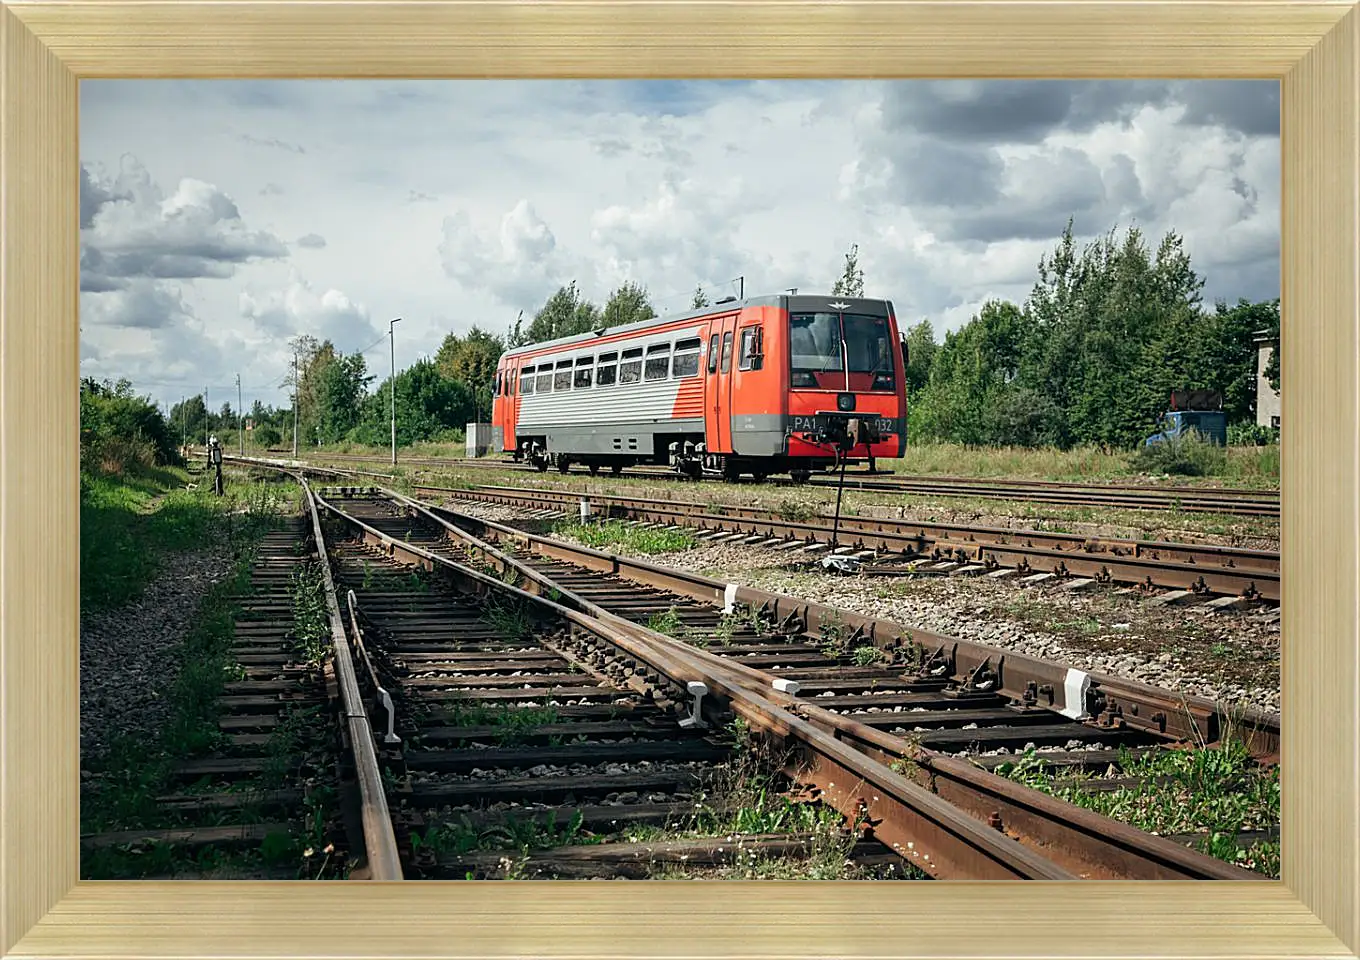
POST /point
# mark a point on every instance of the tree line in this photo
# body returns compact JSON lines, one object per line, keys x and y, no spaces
{"x":1092,"y":354}
{"x":1089,"y":357}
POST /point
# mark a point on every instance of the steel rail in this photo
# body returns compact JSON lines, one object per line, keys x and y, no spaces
{"x":1224,"y":500}
{"x":1112,"y":698}
{"x":1108,"y":698}
{"x":1200,"y":569}
{"x":940,"y":838}
{"x":380,"y":842}
{"x":1085,"y":842}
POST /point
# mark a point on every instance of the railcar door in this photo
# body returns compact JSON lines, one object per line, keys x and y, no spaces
{"x":511,"y":405}
{"x":718,"y":384}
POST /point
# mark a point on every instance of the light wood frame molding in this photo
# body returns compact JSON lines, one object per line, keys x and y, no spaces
{"x":46,"y":47}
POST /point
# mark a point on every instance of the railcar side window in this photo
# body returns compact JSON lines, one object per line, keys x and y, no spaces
{"x":607,"y":370}
{"x":750,"y":358}
{"x":727,"y":352}
{"x":585,"y":367}
{"x":686,"y":358}
{"x":658,"y":362}
{"x":713,"y":353}
{"x":526,"y":381}
{"x":630,"y":370}
{"x":544,"y":383}
{"x":562,"y":378}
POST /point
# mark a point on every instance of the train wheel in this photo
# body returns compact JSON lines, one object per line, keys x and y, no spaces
{"x":761,"y":475}
{"x":542,"y":465}
{"x":616,"y":468}
{"x":563,"y":465}
{"x":800,"y":476}
{"x":594,"y":469}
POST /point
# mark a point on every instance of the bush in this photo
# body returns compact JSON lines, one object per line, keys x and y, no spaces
{"x":116,"y":456}
{"x":1252,"y":435}
{"x":121,"y":428}
{"x":266,"y":435}
{"x":1189,"y":455}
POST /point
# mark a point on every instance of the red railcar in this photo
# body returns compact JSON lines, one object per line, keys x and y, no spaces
{"x":767,"y":385}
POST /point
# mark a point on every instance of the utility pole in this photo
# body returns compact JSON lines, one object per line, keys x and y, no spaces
{"x":392,"y":344}
{"x":295,"y":403}
{"x":240,"y":423}
{"x":207,"y":415}
{"x":184,"y":424}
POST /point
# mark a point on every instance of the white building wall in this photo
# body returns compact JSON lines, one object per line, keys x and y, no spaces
{"x":1267,"y":400}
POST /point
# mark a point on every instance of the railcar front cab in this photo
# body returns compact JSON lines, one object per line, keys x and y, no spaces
{"x":847,"y":382}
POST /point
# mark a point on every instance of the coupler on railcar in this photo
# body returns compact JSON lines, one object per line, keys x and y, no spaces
{"x":535,"y":455}
{"x":688,"y":458}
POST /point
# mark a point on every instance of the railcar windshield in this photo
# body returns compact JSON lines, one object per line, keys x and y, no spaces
{"x":841,"y":351}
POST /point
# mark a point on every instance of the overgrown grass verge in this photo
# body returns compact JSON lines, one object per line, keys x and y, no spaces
{"x":1219,"y":794}
{"x":1251,"y":466}
{"x":120,"y":790}
{"x":631,"y":539}
{"x":131,"y":523}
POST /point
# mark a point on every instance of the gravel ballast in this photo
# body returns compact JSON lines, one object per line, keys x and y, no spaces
{"x":1232,"y":657}
{"x":130,"y":657}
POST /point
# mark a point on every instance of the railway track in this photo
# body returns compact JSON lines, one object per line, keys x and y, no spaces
{"x":1218,"y":500}
{"x":517,"y":754}
{"x":1225,"y":577}
{"x":508,"y":712}
{"x":967,"y":822}
{"x":275,"y":777}
{"x":881,"y":545}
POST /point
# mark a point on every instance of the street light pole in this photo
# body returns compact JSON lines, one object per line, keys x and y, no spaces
{"x":295,"y":403}
{"x":240,"y":425}
{"x":392,"y":344}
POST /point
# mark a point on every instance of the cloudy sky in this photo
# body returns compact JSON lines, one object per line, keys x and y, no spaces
{"x":219,"y":218}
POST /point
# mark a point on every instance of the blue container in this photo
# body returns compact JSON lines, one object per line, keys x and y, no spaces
{"x":1211,"y":424}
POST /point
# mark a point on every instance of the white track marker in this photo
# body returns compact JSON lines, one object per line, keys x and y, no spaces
{"x":1074,"y":694}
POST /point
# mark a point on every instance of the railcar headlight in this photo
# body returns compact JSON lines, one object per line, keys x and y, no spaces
{"x":845,"y":402}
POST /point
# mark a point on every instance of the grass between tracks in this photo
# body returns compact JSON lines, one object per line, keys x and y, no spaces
{"x":621,"y":536}
{"x":1219,"y":795}
{"x":120,"y":789}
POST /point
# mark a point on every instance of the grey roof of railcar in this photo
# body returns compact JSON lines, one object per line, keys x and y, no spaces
{"x":794,"y":304}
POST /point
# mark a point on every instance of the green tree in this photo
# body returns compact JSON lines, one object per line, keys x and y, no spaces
{"x":189,"y":418}
{"x":565,"y":314}
{"x":921,"y":349}
{"x":627,"y":304}
{"x":430,"y":406}
{"x":341,"y":383}
{"x":265,"y":435}
{"x":851,"y":282}
{"x":472,"y":361}
{"x":1111,"y":331}
{"x":700,"y":299}
{"x":119,"y":429}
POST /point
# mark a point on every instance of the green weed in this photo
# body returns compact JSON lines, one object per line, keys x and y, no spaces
{"x":616,"y":534}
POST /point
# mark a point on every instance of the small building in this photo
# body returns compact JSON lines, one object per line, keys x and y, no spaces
{"x":478,"y":439}
{"x":1267,"y":397}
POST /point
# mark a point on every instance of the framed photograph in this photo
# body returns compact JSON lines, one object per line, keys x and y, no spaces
{"x":775,"y":455}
